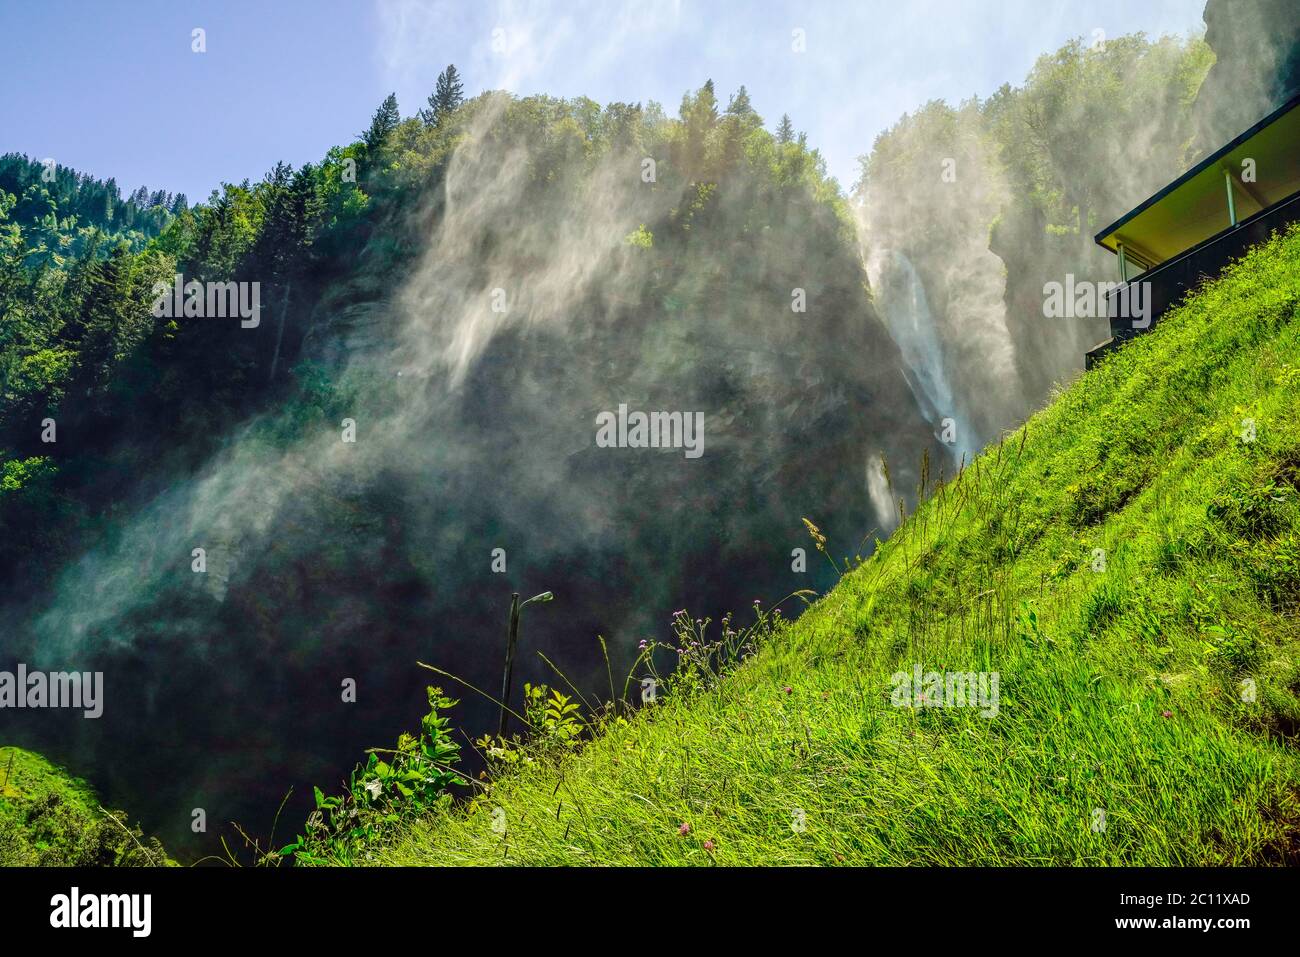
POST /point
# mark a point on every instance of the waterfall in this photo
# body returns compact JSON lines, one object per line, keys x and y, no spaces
{"x":905,"y":309}
{"x":878,"y":493}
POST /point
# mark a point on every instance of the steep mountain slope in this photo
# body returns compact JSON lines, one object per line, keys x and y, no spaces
{"x":49,"y":818}
{"x":1128,"y":563}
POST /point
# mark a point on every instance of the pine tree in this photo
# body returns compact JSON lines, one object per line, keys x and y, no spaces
{"x":291,"y":209}
{"x":706,"y":105}
{"x":785,"y":132}
{"x":104,"y":320}
{"x":111,"y":198}
{"x":446,"y":96}
{"x":275,"y":239}
{"x":699,"y":115}
{"x":385,"y":121}
{"x":740,"y":105}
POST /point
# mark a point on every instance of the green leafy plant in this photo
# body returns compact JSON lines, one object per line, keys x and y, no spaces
{"x":417,"y":776}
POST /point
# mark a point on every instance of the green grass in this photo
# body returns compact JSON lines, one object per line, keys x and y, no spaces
{"x":50,"y":819}
{"x":1126,"y":690}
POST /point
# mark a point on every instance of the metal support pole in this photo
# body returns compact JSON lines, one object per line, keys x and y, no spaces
{"x":1232,"y":204}
{"x":1123,"y":264}
{"x":512,"y":638}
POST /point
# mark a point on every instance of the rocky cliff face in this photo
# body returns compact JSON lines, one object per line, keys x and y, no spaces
{"x":1257,"y":48}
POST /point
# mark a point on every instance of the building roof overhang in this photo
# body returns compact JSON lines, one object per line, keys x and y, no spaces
{"x":1263,"y":165}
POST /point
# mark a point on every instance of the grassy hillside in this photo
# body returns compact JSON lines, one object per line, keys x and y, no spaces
{"x":1154,"y":682}
{"x":50,"y":819}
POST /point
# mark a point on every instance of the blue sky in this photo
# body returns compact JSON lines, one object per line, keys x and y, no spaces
{"x":112,"y":87}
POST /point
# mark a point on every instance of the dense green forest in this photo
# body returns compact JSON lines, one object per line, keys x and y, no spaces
{"x":81,"y":346}
{"x":56,"y":214}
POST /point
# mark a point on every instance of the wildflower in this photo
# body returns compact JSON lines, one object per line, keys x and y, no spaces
{"x":708,"y":846}
{"x":788,"y":690}
{"x":641,"y":645}
{"x":684,"y":829}
{"x":1167,"y":714}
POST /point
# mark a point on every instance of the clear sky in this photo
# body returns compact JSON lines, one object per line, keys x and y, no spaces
{"x":113,"y":88}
